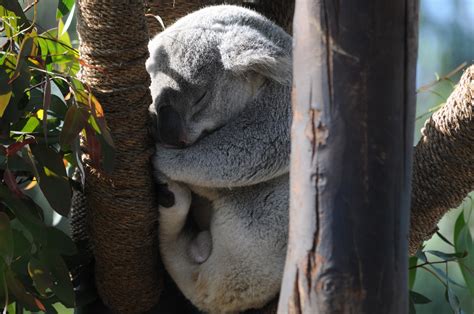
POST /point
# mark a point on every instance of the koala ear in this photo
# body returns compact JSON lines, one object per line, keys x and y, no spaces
{"x":248,"y":51}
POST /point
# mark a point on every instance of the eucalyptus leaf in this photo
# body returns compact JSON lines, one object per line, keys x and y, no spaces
{"x":53,"y":180}
{"x":60,"y":241}
{"x":6,"y":239}
{"x":463,"y":243}
{"x":64,"y":7}
{"x":62,"y":287}
{"x":17,"y":288}
{"x":418,"y":298}
{"x":40,"y":275}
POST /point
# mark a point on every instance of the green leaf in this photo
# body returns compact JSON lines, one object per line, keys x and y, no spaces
{"x":411,"y":304}
{"x":447,"y":256}
{"x":46,"y":104}
{"x":412,"y":271}
{"x":21,"y":245}
{"x":442,"y":237}
{"x":5,"y":91}
{"x":31,"y":125}
{"x":445,"y":276}
{"x":64,"y":27}
{"x":463,"y":243}
{"x":52,"y":179}
{"x":25,"y":211}
{"x":64,"y":7}
{"x":40,"y":276}
{"x":421,"y":256}
{"x":60,"y":241}
{"x":6,"y":239}
{"x":14,"y":6}
{"x":17,"y":288}
{"x":459,"y":225}
{"x":74,"y":122}
{"x":452,"y":300}
{"x":418,"y":298}
{"x":62,"y":287}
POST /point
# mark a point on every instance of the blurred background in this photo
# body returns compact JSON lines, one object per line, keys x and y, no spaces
{"x":446,"y":40}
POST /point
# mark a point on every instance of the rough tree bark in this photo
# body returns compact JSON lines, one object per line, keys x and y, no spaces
{"x":123,"y":214}
{"x":353,"y":113}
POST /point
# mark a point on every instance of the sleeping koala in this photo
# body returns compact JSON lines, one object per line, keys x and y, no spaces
{"x":221,"y":83}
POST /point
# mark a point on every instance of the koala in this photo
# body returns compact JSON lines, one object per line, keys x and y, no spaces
{"x":221,"y":87}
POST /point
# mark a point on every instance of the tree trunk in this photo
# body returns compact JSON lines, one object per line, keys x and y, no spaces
{"x":123,"y":214}
{"x":352,"y":134}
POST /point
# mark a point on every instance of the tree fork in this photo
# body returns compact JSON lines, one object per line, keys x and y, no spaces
{"x":352,"y":139}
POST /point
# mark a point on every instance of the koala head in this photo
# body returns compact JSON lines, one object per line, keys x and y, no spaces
{"x":207,"y":67}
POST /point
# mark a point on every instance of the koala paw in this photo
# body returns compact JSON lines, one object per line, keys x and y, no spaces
{"x":165,"y":197}
{"x":181,"y":203}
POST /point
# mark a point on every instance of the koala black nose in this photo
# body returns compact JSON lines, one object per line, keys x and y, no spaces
{"x":170,"y":127}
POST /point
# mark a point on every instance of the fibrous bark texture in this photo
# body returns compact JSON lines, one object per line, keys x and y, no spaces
{"x":123,"y":215}
{"x":443,"y":170}
{"x":352,"y":138}
{"x":279,"y":11}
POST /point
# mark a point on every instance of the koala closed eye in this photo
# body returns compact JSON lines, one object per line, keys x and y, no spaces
{"x":236,"y":154}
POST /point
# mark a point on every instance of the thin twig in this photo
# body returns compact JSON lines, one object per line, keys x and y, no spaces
{"x":442,"y":78}
{"x":430,"y":263}
{"x":434,"y":274}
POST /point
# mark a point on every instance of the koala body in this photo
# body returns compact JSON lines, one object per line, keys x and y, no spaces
{"x":221,"y":84}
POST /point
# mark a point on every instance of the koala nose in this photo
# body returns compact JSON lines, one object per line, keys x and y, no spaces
{"x":170,"y":127}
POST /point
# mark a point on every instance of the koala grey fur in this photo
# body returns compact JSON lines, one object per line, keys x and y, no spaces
{"x":221,"y":85}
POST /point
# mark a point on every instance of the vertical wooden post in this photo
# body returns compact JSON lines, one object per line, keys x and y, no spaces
{"x":352,"y":138}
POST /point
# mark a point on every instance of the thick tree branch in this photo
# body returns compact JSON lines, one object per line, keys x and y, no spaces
{"x":443,"y":170}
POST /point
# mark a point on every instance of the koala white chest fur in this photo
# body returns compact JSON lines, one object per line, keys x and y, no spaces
{"x":221,"y":83}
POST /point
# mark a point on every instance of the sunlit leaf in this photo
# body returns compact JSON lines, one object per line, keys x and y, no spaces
{"x":64,"y":7}
{"x":64,"y":29}
{"x":74,"y":122}
{"x":31,"y":125}
{"x":5,"y":91}
{"x":15,"y":7}
{"x":46,"y":105}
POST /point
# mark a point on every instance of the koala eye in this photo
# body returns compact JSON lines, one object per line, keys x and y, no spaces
{"x":200,"y":99}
